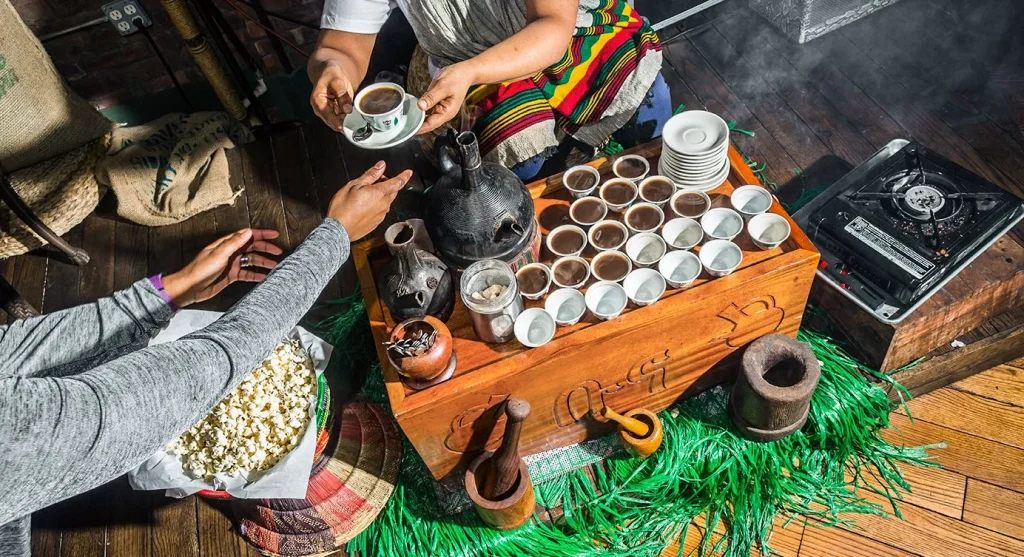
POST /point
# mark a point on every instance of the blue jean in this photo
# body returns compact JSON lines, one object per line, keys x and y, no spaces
{"x":644,"y":126}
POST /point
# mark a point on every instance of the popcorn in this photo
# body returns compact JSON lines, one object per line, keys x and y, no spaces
{"x":257,"y":424}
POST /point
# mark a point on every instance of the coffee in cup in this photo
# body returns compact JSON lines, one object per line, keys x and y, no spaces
{"x":690,"y":204}
{"x":618,"y":194}
{"x":567,"y":240}
{"x":644,"y":217}
{"x":608,"y":235}
{"x":611,"y":265}
{"x":657,"y":190}
{"x":631,"y":167}
{"x":570,"y":272}
{"x":581,"y":180}
{"x":382,"y":105}
{"x":533,"y":280}
{"x":587,"y":210}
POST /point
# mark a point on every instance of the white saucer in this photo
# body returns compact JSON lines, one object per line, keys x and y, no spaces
{"x":699,"y":185}
{"x":413,"y":120}
{"x":695,"y":132}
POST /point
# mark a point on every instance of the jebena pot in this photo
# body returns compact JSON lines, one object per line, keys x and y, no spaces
{"x":414,"y":282}
{"x":434,"y":362}
{"x":772,"y":395}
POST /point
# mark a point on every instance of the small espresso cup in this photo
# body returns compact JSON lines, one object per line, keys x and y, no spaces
{"x":529,"y":286}
{"x":691,"y":204}
{"x":567,"y":240}
{"x":618,"y":194}
{"x":680,"y":268}
{"x":612,"y":266}
{"x":570,"y":272}
{"x":750,"y":200}
{"x":768,"y":230}
{"x":588,"y":211}
{"x":566,"y":305}
{"x":645,"y":249}
{"x":534,"y":327}
{"x":721,"y":224}
{"x":657,"y":190}
{"x":606,"y":300}
{"x":682,"y":233}
{"x":385,"y":121}
{"x":608,"y":235}
{"x":720,"y":257}
{"x":644,"y":286}
{"x":581,"y":180}
{"x":644,"y":217}
{"x":631,"y":167}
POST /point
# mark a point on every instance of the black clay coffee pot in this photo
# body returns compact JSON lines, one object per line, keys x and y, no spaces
{"x":477,"y":210}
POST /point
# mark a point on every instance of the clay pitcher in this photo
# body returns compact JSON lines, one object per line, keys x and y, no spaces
{"x":414,"y":283}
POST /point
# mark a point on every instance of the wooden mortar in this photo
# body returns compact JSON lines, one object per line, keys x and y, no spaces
{"x":509,"y":511}
{"x":641,"y":446}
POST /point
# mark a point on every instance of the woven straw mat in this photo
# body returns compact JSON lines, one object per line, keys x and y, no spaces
{"x":343,"y":498}
{"x":61,"y":191}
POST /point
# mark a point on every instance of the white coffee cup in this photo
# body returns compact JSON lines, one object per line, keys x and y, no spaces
{"x":750,"y":200}
{"x":651,"y":207}
{"x":534,"y":327}
{"x":645,"y":249}
{"x":387,"y":121}
{"x":721,"y":224}
{"x":720,"y":257}
{"x":578,"y":169}
{"x":604,"y":225}
{"x":566,"y":305}
{"x":644,"y":286}
{"x":627,"y":159}
{"x":547,"y":284}
{"x":680,"y":268}
{"x":682,"y":233}
{"x":606,"y":300}
{"x":768,"y":230}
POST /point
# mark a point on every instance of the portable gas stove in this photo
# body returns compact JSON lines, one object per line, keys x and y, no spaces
{"x":895,"y":229}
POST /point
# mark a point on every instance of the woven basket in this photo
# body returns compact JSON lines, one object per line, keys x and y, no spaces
{"x":61,"y":191}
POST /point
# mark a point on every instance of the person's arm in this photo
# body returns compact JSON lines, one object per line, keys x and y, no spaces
{"x":63,"y":436}
{"x":539,"y":44}
{"x":70,"y":340}
{"x":348,"y":30}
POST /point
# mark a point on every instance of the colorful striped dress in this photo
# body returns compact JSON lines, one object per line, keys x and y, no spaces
{"x":611,"y":62}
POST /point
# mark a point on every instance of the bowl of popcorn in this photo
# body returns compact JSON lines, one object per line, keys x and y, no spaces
{"x":269,"y":429}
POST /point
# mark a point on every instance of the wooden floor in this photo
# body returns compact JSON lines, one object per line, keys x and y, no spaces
{"x":814,"y":109}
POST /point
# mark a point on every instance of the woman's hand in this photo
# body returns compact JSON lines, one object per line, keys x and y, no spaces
{"x":445,"y":95}
{"x":362,"y":204}
{"x":332,"y":95}
{"x":219,"y":264}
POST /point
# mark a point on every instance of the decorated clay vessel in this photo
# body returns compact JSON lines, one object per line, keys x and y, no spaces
{"x":478,"y":210}
{"x":414,"y":283}
{"x":420,"y":350}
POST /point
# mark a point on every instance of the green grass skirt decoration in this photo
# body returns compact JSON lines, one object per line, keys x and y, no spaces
{"x":638,"y":507}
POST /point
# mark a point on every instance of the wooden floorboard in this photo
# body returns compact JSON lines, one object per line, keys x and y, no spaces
{"x":815,"y":110}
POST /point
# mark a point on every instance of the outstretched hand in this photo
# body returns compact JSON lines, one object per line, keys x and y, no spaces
{"x":445,"y":96}
{"x":220,"y":264}
{"x":362,"y":204}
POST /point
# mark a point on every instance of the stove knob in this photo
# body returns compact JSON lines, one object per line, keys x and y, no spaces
{"x":823,"y":265}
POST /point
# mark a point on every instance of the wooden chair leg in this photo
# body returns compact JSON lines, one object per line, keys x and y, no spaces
{"x":12,"y":302}
{"x":24,"y":212}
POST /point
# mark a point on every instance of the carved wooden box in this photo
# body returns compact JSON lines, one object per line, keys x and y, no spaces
{"x":648,"y":357}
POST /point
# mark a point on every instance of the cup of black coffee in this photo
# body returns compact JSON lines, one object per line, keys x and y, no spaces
{"x":657,"y":190}
{"x":611,"y":266}
{"x":567,"y":240}
{"x":644,"y":217}
{"x":631,"y":167}
{"x":534,"y":280}
{"x":586,"y":211}
{"x":382,"y":105}
{"x":618,"y":193}
{"x":608,"y":235}
{"x":581,"y":180}
{"x":570,"y":272}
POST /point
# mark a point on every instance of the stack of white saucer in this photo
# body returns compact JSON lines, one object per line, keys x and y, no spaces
{"x":695,"y":150}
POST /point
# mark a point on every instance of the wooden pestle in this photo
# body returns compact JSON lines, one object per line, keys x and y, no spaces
{"x":505,"y":462}
{"x":636,"y":427}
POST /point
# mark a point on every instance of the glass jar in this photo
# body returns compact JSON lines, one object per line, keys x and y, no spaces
{"x":493,"y":319}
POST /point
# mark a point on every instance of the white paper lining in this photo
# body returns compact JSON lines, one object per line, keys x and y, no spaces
{"x":288,"y":478}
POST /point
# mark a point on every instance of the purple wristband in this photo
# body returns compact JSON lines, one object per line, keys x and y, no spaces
{"x":158,"y":282}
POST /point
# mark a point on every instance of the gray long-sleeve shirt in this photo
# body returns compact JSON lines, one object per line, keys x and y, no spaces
{"x":80,"y":405}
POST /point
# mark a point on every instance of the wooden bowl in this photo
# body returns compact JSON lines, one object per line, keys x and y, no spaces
{"x":431,"y":363}
{"x":645,"y":446}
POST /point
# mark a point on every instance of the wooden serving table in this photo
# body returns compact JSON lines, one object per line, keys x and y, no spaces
{"x":648,"y":357}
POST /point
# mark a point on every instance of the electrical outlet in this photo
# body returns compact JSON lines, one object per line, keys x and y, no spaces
{"x":127,"y":16}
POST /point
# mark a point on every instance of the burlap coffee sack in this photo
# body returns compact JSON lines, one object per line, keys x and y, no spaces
{"x":172,"y":168}
{"x":61,"y":191}
{"x":40,"y":117}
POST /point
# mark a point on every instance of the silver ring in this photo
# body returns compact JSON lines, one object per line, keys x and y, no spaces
{"x":244,"y":260}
